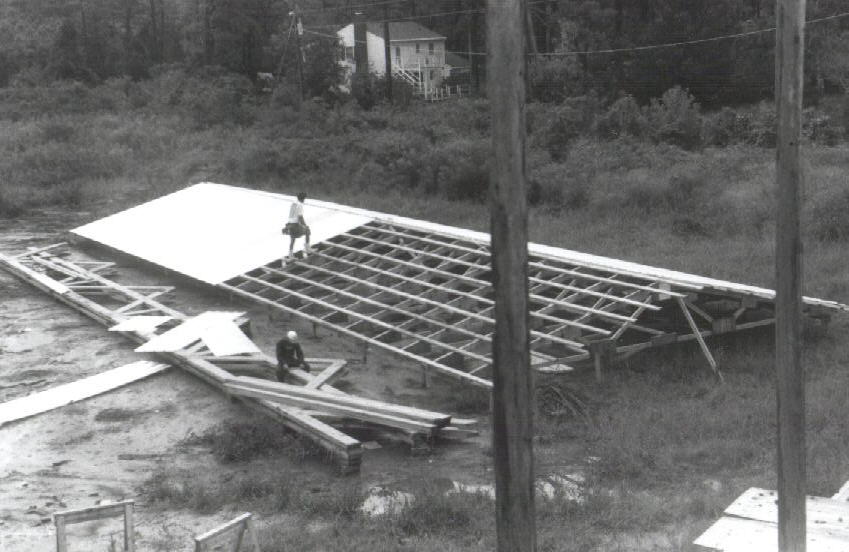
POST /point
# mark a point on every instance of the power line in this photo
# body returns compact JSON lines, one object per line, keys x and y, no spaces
{"x":356,"y":7}
{"x":609,"y":50}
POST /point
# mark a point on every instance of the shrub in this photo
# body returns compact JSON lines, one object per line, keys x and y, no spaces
{"x":240,"y":441}
{"x":675,"y":119}
{"x":719,"y":129}
{"x":623,"y":118}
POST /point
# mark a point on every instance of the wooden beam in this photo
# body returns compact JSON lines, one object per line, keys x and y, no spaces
{"x":790,"y":376}
{"x":698,"y":334}
{"x":512,"y":394}
{"x":433,"y":418}
{"x":346,"y":411}
{"x":322,"y":377}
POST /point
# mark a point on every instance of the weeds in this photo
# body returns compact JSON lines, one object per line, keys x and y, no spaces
{"x":233,"y":442}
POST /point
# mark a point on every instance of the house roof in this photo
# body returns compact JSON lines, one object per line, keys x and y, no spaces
{"x":404,"y":30}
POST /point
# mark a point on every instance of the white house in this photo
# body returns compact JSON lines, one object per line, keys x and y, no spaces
{"x":417,"y":53}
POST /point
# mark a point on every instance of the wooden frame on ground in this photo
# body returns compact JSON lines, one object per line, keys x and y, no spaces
{"x":241,"y":526}
{"x":93,"y":513}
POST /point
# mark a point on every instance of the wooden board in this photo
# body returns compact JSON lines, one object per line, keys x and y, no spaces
{"x":346,"y":411}
{"x":434,"y":418}
{"x":68,"y":393}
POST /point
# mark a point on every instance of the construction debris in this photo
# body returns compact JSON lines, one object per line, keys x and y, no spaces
{"x":308,"y":409}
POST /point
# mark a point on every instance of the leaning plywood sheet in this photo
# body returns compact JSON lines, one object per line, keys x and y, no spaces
{"x":212,"y":232}
{"x":76,"y":391}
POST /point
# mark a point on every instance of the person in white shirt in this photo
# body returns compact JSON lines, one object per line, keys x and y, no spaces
{"x":296,"y":227}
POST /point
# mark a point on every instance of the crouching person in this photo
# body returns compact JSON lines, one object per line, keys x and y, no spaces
{"x":290,"y":355}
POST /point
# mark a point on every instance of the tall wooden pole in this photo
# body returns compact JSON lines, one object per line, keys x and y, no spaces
{"x":512,"y":394}
{"x":387,"y":52}
{"x":790,"y":376}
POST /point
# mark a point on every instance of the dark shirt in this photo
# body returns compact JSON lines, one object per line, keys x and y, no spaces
{"x":289,"y":354}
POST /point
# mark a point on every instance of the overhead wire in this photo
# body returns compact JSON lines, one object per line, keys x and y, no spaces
{"x":612,"y":50}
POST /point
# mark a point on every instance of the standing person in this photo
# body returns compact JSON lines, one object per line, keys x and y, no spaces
{"x":290,"y":355}
{"x":296,"y":227}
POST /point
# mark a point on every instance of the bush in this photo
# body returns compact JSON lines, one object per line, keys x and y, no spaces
{"x":623,"y":118}
{"x":241,"y":442}
{"x":675,"y":119}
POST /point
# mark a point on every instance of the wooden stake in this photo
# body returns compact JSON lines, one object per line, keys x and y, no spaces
{"x":512,"y":417}
{"x":790,"y":377}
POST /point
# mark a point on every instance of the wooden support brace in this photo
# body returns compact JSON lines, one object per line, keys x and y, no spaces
{"x":698,"y":335}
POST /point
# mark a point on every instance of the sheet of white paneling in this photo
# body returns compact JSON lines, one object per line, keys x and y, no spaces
{"x":213,"y":232}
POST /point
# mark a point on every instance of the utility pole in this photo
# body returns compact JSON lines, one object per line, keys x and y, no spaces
{"x":299,"y":30}
{"x":513,"y":386}
{"x":790,"y":375}
{"x":387,"y":53}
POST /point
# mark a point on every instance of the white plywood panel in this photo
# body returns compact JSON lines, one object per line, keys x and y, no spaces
{"x":225,"y":338}
{"x":826,"y":515}
{"x":213,"y":232}
{"x":76,"y":391}
{"x":188,"y":332}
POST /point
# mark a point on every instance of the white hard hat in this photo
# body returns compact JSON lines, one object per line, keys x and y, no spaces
{"x":292,"y":336}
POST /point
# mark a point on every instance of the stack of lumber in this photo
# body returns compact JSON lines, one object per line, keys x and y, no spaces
{"x":393,"y":416}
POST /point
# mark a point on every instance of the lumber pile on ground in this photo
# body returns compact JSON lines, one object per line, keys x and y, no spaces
{"x":311,"y":409}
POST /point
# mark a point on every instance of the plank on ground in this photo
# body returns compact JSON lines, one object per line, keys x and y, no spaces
{"x":68,"y":393}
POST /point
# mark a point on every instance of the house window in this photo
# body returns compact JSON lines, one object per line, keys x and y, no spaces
{"x":417,"y":47}
{"x":430,"y":47}
{"x":398,"y":54}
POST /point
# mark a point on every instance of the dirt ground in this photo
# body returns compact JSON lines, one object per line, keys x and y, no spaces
{"x":80,"y":455}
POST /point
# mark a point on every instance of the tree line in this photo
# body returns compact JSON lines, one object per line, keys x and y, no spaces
{"x":569,"y":42}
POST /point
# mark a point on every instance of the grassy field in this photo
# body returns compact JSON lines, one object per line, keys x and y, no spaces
{"x":674,"y":448}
